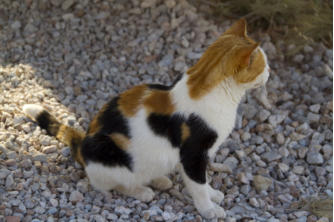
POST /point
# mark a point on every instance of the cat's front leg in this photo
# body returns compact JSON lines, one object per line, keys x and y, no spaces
{"x":202,"y":195}
{"x":215,"y":195}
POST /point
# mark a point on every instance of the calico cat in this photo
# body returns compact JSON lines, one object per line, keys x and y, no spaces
{"x":141,"y":135}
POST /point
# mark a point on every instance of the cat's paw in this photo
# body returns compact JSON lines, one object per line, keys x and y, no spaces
{"x":216,"y":196}
{"x":162,"y":183}
{"x":144,"y":194}
{"x":214,"y":212}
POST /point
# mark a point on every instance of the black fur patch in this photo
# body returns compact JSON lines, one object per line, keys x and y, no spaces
{"x":100,"y":147}
{"x":75,"y":144}
{"x":194,"y":150}
{"x":48,"y":122}
{"x":112,"y":120}
{"x":168,"y":126}
{"x":163,"y":87}
{"x":159,"y":87}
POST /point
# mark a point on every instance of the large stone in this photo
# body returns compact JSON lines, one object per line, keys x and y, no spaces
{"x":249,"y":110}
{"x":148,"y":3}
{"x":40,"y":157}
{"x":274,"y":120}
{"x":166,"y":60}
{"x":312,"y":117}
{"x":219,"y":167}
{"x":3,"y":173}
{"x":271,"y":156}
{"x":243,"y":178}
{"x":263,"y":115}
{"x":231,"y":163}
{"x":67,"y":4}
{"x":253,"y":202}
{"x":261,"y":183}
{"x":315,"y":108}
{"x":123,"y":210}
{"x":9,"y":181}
{"x":49,"y":149}
{"x":280,"y":138}
{"x":170,"y":3}
{"x":298,"y":58}
{"x":13,"y":219}
{"x":16,"y":25}
{"x":314,"y":158}
{"x":283,"y":167}
{"x":76,"y":196}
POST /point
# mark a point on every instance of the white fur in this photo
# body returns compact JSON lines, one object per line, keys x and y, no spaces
{"x":32,"y":110}
{"x":153,"y":156}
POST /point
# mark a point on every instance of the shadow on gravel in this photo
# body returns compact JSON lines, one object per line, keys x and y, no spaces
{"x":87,"y":53}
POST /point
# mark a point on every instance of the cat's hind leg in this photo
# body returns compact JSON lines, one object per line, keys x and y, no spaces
{"x":161,"y":183}
{"x":141,"y":193}
{"x":101,"y":177}
{"x":117,"y":178}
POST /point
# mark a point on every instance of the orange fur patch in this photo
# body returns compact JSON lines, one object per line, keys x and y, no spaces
{"x":239,"y":28}
{"x":256,"y":68}
{"x":120,"y":140}
{"x":68,"y":135}
{"x":159,"y":101}
{"x":80,"y":158}
{"x":230,"y":54}
{"x":185,"y":132}
{"x":131,"y":99}
{"x":94,"y":126}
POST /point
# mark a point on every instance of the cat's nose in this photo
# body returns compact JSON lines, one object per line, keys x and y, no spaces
{"x":269,"y":70}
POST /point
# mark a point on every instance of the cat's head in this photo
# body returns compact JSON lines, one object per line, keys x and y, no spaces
{"x":232,"y":56}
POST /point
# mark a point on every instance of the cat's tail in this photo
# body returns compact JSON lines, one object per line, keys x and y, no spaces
{"x":68,"y":135}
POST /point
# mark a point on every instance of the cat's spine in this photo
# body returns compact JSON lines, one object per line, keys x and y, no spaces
{"x":68,"y":135}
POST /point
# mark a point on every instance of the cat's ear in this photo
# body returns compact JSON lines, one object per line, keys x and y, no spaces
{"x":245,"y":54}
{"x":239,"y":28}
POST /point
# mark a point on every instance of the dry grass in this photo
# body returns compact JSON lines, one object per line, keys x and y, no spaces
{"x":319,"y":206}
{"x":297,"y":21}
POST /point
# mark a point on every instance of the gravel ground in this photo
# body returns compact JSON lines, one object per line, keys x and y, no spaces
{"x":72,"y":56}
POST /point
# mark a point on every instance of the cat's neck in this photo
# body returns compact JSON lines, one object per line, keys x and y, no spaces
{"x":220,"y":102}
{"x":227,"y":93}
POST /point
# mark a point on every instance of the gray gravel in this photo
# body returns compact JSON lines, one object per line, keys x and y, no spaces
{"x":71,"y":56}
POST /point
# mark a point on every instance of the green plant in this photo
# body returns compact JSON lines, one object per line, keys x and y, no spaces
{"x":299,"y":21}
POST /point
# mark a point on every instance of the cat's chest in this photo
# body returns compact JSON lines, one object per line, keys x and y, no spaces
{"x":222,"y":123}
{"x":218,"y":117}
{"x":217,"y":114}
{"x":216,"y":109}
